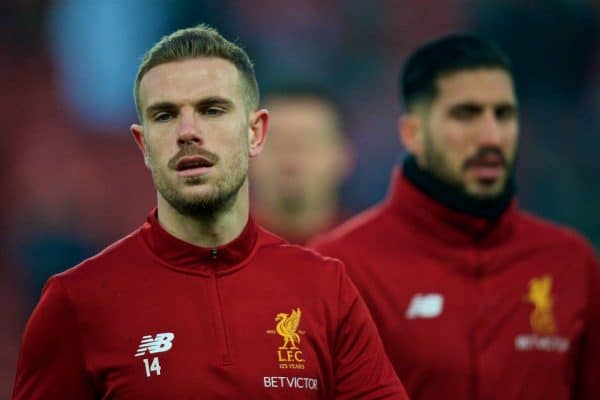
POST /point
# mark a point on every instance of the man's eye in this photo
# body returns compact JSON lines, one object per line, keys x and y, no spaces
{"x":464,"y":113}
{"x":505,"y":113}
{"x":163,"y":117}
{"x":214,"y":111}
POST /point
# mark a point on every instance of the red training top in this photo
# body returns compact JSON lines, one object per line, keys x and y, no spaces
{"x":474,"y":309}
{"x":153,"y":317}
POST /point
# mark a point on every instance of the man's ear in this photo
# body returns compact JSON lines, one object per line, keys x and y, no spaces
{"x":137,"y":131}
{"x":257,"y":132}
{"x":410,"y":132}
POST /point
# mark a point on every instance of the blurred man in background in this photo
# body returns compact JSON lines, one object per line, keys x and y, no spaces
{"x":296,"y":180}
{"x":473,"y":297}
{"x":200,"y":302}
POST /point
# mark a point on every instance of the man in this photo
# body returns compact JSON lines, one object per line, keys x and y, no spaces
{"x":200,"y":302}
{"x":474,"y":298}
{"x":296,"y":179}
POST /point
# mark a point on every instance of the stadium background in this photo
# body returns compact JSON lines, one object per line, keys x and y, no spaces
{"x":73,"y":181}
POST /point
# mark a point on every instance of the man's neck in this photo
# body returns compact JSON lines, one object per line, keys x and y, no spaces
{"x":206,"y":231}
{"x":455,"y":199}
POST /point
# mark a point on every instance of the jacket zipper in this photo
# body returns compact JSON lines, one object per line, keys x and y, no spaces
{"x":220,"y":317}
{"x":473,"y":369}
{"x":473,"y":345}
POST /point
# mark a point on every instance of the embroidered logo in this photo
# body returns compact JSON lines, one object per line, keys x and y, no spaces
{"x":425,"y":306}
{"x":540,"y":295}
{"x":289,"y":354}
{"x":541,"y":320}
{"x":160,"y":343}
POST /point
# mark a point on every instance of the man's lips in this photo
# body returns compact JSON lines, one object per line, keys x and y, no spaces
{"x":190,"y":162}
{"x":488,"y":166}
{"x":487,"y":172}
{"x":193,"y":165}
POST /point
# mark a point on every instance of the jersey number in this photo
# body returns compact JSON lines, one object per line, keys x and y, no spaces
{"x":152,"y":367}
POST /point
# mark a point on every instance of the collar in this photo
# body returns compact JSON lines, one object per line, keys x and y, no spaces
{"x":186,"y":257}
{"x":448,"y":225}
{"x":454,"y":198}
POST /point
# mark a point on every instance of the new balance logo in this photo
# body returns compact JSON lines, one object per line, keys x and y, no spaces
{"x":425,"y":306}
{"x":160,"y":343}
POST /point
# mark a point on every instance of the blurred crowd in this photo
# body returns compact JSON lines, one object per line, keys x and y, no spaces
{"x":73,"y":180}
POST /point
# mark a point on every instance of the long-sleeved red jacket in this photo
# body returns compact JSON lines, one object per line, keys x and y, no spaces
{"x":472,"y":309}
{"x":152,"y":317}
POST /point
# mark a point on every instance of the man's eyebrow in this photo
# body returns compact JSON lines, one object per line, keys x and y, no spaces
{"x":214,"y":101}
{"x":477,"y":105}
{"x":473,"y":105}
{"x":470,"y":103}
{"x":205,"y":102}
{"x":160,"y":106}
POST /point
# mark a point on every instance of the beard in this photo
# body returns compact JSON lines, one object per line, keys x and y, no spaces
{"x":438,"y":165}
{"x":221,"y":198}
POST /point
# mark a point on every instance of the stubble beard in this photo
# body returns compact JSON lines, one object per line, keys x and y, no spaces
{"x":437,"y":165}
{"x":217,"y":201}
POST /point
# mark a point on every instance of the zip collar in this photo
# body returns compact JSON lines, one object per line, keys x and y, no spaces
{"x":454,"y":198}
{"x":186,"y":257}
{"x":433,"y":218}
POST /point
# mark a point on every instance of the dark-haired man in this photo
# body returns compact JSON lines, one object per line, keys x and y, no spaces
{"x":474,"y":298}
{"x":200,"y":302}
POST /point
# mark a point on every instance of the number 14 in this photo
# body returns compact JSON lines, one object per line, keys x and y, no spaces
{"x":152,"y":367}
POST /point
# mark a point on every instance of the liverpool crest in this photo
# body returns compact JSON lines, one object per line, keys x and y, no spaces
{"x":289,"y":354}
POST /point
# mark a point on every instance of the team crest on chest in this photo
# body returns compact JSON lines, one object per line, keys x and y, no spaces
{"x":540,"y":295}
{"x":289,"y":352}
{"x":541,"y":320}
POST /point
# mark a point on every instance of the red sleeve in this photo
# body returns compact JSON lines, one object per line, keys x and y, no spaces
{"x":51,"y":364}
{"x":362,"y":369}
{"x":588,"y":376}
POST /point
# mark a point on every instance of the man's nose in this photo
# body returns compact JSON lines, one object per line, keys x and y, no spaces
{"x":490,"y":133}
{"x":189,"y":130}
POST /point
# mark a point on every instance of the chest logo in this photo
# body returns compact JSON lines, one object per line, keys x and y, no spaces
{"x":158,"y":344}
{"x":540,"y":295}
{"x":425,"y":306}
{"x":542,"y":322}
{"x":289,"y":353}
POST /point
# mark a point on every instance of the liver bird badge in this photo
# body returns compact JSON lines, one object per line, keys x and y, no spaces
{"x":289,"y":355}
{"x":287,"y":327}
{"x":540,"y":295}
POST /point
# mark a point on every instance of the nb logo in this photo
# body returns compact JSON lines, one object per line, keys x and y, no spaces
{"x":160,"y":343}
{"x":425,"y":306}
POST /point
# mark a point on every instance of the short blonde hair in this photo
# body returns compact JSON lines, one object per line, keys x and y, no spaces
{"x":199,"y":41}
